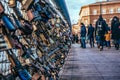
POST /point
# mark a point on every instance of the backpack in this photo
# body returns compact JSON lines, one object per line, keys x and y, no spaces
{"x":99,"y":26}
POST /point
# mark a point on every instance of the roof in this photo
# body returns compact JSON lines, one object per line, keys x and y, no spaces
{"x":104,"y":2}
{"x":98,"y":3}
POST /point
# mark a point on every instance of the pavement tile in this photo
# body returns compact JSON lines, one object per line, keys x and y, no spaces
{"x":91,"y":64}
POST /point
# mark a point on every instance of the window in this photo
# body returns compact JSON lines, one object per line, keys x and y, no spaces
{"x":111,"y":11}
{"x":118,"y":10}
{"x":86,"y":13}
{"x":94,"y":12}
{"x":104,"y":11}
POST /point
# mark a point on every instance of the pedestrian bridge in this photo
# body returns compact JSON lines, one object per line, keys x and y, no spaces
{"x":91,"y":64}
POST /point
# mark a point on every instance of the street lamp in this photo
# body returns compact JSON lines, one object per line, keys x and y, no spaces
{"x":100,"y":7}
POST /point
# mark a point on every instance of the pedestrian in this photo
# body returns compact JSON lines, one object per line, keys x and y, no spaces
{"x":115,"y":29}
{"x":107,"y":39}
{"x":73,"y":38}
{"x":83,"y":35}
{"x":76,"y":38}
{"x":91,"y":35}
{"x":100,"y":30}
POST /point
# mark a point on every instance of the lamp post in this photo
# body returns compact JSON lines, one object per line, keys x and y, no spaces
{"x":100,"y":8}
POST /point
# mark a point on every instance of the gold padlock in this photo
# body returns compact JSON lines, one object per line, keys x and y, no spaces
{"x":12,"y":3}
{"x":26,"y":4}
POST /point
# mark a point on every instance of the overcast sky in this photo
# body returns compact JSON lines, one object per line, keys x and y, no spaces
{"x":74,"y":8}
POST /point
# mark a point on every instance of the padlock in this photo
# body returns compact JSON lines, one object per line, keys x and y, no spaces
{"x":12,"y":3}
{"x":27,"y":28}
{"x":33,"y":15}
{"x":1,"y":8}
{"x":8,"y":23}
{"x":17,"y":22}
{"x":30,"y":15}
{"x":26,"y":6}
{"x":38,"y":7}
{"x":34,"y":28}
{"x":18,"y":13}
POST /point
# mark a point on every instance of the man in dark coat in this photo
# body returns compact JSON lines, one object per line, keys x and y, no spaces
{"x":91,"y":35}
{"x":115,"y":28}
{"x":100,"y":30}
{"x":83,"y":35}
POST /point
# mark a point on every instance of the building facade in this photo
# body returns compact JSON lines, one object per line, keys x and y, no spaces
{"x":108,"y":9}
{"x":75,"y":29}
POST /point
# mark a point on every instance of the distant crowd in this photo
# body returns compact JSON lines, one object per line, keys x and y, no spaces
{"x":101,"y":33}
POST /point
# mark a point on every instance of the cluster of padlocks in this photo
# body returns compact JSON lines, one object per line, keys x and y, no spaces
{"x":34,"y":40}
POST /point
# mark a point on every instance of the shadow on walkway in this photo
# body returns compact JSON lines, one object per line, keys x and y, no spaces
{"x":91,"y":64}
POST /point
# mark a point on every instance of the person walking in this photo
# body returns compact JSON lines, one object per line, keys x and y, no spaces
{"x":115,"y":29}
{"x":83,"y":35}
{"x":91,"y":35}
{"x":107,"y":39}
{"x":100,"y":30}
{"x":76,"y":38}
{"x":73,"y":38}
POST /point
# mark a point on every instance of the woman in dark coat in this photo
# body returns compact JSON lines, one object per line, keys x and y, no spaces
{"x":115,"y":28}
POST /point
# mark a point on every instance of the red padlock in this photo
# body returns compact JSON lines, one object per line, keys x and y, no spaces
{"x":30,"y":15}
{"x":1,"y":8}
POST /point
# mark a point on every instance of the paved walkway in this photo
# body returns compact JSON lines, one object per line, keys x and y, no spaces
{"x":91,"y":64}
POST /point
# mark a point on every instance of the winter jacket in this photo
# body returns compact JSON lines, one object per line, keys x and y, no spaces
{"x":90,"y":32}
{"x":83,"y":31}
{"x":101,"y":27}
{"x":116,"y":31}
{"x":107,"y":36}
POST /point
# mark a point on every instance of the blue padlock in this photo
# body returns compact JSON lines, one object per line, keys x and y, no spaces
{"x":8,"y":23}
{"x":19,"y":25}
